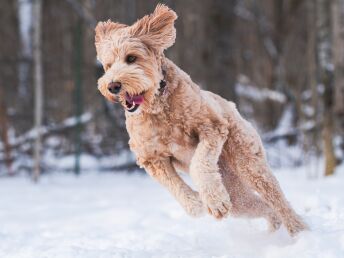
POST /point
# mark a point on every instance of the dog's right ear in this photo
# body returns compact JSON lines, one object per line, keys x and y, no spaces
{"x":103,"y":29}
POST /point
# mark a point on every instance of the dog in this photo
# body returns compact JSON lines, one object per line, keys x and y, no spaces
{"x":175,"y":126}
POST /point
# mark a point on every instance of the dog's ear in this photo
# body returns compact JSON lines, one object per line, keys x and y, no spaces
{"x":157,"y":29}
{"x":104,"y":28}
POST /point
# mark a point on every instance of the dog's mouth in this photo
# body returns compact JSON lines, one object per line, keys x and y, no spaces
{"x":132,"y":102}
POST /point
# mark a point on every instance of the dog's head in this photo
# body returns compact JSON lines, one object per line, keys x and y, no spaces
{"x":131,"y":57}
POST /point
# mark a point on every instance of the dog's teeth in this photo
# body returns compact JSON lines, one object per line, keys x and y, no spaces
{"x":133,"y":106}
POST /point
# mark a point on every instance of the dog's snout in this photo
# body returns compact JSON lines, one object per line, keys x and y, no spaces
{"x":114,"y":87}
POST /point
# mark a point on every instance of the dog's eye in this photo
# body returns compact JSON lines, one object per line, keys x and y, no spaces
{"x":130,"y":59}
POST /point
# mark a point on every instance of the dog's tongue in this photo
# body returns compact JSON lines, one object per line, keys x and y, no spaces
{"x":138,"y":99}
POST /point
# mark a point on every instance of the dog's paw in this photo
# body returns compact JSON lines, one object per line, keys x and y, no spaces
{"x":194,"y":205}
{"x":217,"y":201}
{"x":295,"y":225}
{"x":274,"y":222}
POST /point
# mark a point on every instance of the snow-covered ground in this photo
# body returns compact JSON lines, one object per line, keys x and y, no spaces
{"x":121,"y":215}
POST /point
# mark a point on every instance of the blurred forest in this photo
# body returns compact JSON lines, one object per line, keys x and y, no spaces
{"x":281,"y":61}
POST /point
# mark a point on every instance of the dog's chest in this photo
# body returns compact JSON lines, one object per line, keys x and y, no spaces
{"x":147,"y":142}
{"x":153,"y":139}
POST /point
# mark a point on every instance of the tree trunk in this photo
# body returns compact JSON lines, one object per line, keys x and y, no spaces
{"x":217,"y":54}
{"x":313,"y":146}
{"x":38,"y":84}
{"x":324,"y":39}
{"x":24,"y":10}
{"x":4,"y":134}
{"x":338,"y":54}
{"x":338,"y":61}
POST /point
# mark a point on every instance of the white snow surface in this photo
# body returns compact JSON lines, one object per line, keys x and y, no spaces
{"x":130,"y":215}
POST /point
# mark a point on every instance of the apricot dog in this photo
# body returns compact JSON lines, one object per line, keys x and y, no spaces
{"x":174,"y":125}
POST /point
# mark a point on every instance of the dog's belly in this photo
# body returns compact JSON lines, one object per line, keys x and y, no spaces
{"x":181,"y":156}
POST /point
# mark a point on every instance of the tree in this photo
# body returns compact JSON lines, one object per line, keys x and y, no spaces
{"x":313,"y":146}
{"x":4,"y":133}
{"x":324,"y":40}
{"x":338,"y":61}
{"x":38,"y":84}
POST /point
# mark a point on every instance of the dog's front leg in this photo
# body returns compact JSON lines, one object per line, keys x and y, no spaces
{"x":206,"y":176}
{"x":165,"y":174}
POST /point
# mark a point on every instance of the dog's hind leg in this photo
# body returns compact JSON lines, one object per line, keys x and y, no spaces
{"x":258,"y":176}
{"x":245,"y":155}
{"x":245,"y":203}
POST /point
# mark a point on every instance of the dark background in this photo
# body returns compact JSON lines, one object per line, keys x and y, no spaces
{"x":281,"y":61}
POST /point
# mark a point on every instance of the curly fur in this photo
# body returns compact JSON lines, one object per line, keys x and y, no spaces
{"x":188,"y":129}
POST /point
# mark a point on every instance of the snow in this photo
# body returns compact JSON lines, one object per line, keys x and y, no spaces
{"x":244,"y":89}
{"x":286,"y":122}
{"x":32,"y":133}
{"x":73,"y":121}
{"x":88,"y":162}
{"x":130,"y":215}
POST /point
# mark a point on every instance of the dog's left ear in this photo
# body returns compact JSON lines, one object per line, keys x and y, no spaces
{"x":156,"y":30}
{"x":103,"y":29}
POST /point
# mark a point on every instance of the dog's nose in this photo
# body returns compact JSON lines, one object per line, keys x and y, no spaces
{"x":114,"y":87}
